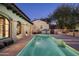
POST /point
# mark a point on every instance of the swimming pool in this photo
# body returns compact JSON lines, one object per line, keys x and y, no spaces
{"x":46,"y":45}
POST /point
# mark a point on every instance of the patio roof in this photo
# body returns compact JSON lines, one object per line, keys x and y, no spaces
{"x":15,"y":9}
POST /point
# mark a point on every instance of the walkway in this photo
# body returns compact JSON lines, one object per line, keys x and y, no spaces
{"x":12,"y":50}
{"x":70,"y":40}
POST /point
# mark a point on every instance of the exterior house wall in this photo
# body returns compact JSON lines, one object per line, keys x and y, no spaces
{"x":13,"y":22}
{"x":40,"y":25}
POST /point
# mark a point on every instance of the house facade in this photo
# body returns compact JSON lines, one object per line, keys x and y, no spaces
{"x":14,"y":24}
{"x":40,"y":26}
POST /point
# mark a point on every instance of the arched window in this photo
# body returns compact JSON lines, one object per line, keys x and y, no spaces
{"x":18,"y":27}
{"x":4,"y":27}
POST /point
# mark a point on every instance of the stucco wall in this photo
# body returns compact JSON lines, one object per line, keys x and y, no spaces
{"x":14,"y":18}
{"x":37,"y":25}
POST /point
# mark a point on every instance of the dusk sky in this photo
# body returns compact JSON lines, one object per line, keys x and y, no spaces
{"x":37,"y":10}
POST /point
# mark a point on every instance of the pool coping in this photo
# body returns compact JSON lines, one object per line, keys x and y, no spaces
{"x":25,"y":46}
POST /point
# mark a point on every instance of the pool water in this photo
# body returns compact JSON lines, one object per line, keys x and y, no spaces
{"x":46,"y":45}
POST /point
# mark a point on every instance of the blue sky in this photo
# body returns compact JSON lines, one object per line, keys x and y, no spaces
{"x":37,"y":10}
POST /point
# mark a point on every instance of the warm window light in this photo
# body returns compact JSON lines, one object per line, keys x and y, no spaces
{"x":4,"y":27}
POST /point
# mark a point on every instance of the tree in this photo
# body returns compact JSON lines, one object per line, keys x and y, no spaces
{"x":62,"y":15}
{"x":66,"y":16}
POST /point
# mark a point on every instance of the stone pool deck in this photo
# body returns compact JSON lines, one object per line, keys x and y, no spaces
{"x":70,"y":40}
{"x":13,"y":49}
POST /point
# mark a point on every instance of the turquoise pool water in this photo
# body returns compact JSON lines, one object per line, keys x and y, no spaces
{"x":46,"y":45}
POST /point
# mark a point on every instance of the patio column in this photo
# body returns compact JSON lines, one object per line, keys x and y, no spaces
{"x":23,"y":30}
{"x":14,"y":30}
{"x":30,"y":30}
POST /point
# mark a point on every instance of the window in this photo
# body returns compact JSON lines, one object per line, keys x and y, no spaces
{"x":7,"y":28}
{"x":18,"y":28}
{"x":4,"y":27}
{"x":41,"y":27}
{"x":1,"y":28}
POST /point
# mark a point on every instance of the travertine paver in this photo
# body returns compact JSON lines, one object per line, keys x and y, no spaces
{"x":13,"y":49}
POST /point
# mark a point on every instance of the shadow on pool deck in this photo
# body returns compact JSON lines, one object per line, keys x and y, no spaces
{"x":13,"y":49}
